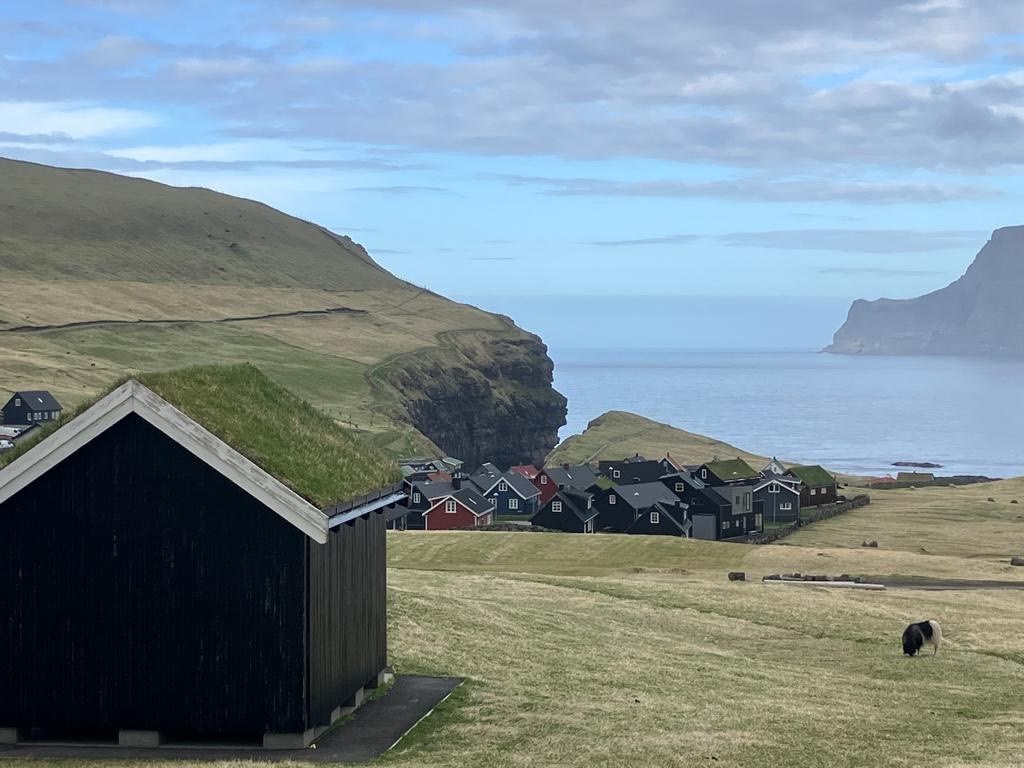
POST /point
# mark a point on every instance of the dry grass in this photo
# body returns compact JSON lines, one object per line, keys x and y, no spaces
{"x":958,"y":522}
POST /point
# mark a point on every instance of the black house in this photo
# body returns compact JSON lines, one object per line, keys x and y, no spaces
{"x":31,"y":408}
{"x":620,"y":505}
{"x":569,"y":510}
{"x":203,"y":595}
{"x":632,"y":471}
{"x":663,"y":520}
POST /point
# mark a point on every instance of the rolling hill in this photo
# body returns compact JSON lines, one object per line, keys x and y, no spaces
{"x":102,"y":274}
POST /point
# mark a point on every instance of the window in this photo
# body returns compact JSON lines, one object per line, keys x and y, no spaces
{"x":543,"y":479}
{"x":416,"y":498}
{"x":513,"y":503}
{"x":556,"y":506}
{"x":813,"y":491}
{"x":725,"y":525}
{"x":746,"y":501}
{"x":655,"y":518}
{"x":17,"y":401}
{"x":773,"y":488}
{"x":450,"y":506}
{"x":704,"y":474}
{"x":680,"y":487}
{"x":616,"y":474}
{"x":502,"y":486}
{"x":757,"y":521}
{"x":590,"y":502}
{"x":786,"y":506}
{"x":611,"y":499}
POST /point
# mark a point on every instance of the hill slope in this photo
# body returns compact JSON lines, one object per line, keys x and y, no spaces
{"x":979,"y":314}
{"x":101,"y":275}
{"x":617,"y":434}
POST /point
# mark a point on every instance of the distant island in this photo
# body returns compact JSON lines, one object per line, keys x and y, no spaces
{"x":978,"y":314}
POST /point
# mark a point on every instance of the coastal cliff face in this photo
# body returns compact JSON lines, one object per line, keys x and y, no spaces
{"x":980,"y":314}
{"x":481,"y":396}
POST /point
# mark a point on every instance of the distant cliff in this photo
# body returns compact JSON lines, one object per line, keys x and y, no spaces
{"x":982,"y":313}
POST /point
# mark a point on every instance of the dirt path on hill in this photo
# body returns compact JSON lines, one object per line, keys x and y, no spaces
{"x":243,"y":318}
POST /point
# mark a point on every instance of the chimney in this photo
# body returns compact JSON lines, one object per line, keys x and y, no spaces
{"x":565,"y":466}
{"x":457,"y":481}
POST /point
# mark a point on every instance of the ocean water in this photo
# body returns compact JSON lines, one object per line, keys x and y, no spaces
{"x":852,"y":414}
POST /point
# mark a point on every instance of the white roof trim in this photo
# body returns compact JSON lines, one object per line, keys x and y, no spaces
{"x":133,"y":397}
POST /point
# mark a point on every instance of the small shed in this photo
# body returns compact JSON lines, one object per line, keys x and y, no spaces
{"x":175,"y":570}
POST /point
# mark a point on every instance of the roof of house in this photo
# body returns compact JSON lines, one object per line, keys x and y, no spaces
{"x":580,"y":476}
{"x":813,"y":476}
{"x":731,"y":469}
{"x":686,"y":477}
{"x":526,"y":470}
{"x":783,"y":482}
{"x":644,"y":495}
{"x":276,"y":447}
{"x":671,"y":513}
{"x":433,"y":489}
{"x":577,"y":500}
{"x":911,"y":477}
{"x":468,"y":497}
{"x":37,"y":400}
{"x":523,"y":487}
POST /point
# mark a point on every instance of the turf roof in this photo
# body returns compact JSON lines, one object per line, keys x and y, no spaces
{"x":732,"y":469}
{"x":812,"y":476}
{"x":284,"y":435}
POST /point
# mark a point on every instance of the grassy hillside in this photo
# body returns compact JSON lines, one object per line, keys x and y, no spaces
{"x":617,"y":434}
{"x":102,"y":275}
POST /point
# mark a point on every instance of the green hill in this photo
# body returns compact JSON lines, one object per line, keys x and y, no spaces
{"x":102,"y":275}
{"x":617,"y":434}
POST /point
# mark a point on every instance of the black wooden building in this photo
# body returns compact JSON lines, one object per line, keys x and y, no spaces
{"x":156,"y":583}
{"x":30,"y":407}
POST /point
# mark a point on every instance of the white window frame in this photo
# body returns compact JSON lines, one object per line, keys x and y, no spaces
{"x":655,"y":518}
{"x":786,"y":506}
{"x":725,"y":525}
{"x":417,"y":498}
{"x":813,"y":491}
{"x":680,"y":486}
{"x":17,"y":401}
{"x":703,"y":474}
{"x":556,"y":506}
{"x":543,"y":479}
{"x":502,"y":486}
{"x":513,"y":503}
{"x":451,"y":507}
{"x":616,"y":474}
{"x":773,"y":488}
{"x":746,"y":501}
{"x":611,"y":499}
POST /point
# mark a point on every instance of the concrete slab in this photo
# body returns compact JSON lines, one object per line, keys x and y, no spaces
{"x":370,"y":732}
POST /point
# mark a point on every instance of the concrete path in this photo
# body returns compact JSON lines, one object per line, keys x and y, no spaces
{"x":371,"y":731}
{"x":927,"y":583}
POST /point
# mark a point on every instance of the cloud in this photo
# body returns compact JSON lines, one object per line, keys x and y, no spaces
{"x":666,"y":240}
{"x":400,"y":190}
{"x":758,"y":189}
{"x":857,"y":240}
{"x":75,"y":120}
{"x":879,"y":272}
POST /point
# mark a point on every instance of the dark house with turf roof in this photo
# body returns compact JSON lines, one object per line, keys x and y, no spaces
{"x":724,"y":472}
{"x":177,"y":570}
{"x":817,"y":486}
{"x":569,"y":510}
{"x":620,"y":505}
{"x":663,"y":520}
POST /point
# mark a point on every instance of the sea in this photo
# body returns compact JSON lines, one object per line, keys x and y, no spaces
{"x":749,"y":372}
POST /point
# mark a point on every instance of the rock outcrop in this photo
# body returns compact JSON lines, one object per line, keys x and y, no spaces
{"x":480,"y":396}
{"x":979,"y":314}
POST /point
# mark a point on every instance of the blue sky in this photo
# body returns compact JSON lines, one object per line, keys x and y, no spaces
{"x":523,"y":147}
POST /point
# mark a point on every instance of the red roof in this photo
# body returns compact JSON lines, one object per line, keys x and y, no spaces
{"x":526,"y":470}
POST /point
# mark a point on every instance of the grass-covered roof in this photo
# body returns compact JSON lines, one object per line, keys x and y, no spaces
{"x":813,"y":476}
{"x":732,"y":469}
{"x":284,"y":435}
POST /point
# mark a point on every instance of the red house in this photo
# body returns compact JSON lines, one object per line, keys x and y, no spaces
{"x":526,"y":470}
{"x":462,"y":508}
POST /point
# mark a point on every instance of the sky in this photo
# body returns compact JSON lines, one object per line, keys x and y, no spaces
{"x":506,"y":148}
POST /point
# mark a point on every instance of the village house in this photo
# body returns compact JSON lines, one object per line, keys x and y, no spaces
{"x":549,"y":480}
{"x":620,"y":505}
{"x":31,"y":407}
{"x":511,"y":493}
{"x":569,"y":510}
{"x":724,"y":472}
{"x":632,"y":471}
{"x":663,"y":520}
{"x":817,"y":486}
{"x":463,"y":507}
{"x":779,"y":497}
{"x":207,"y":594}
{"x":526,"y":470}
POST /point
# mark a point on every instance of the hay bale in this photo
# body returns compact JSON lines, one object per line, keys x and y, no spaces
{"x":871,"y":543}
{"x":737,"y":576}
{"x":990,"y":498}
{"x":1017,"y":561}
